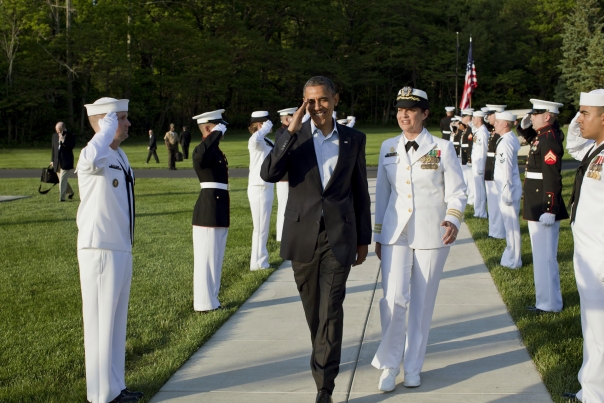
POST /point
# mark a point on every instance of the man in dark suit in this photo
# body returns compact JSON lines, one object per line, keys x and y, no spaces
{"x":61,"y":159}
{"x":185,"y":140}
{"x":327,"y":219}
{"x":152,"y":147}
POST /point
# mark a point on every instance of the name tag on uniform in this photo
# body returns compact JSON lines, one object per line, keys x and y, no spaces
{"x":115,"y":167}
{"x":392,"y":153}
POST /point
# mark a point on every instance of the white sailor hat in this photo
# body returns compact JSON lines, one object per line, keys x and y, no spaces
{"x":449,"y":108}
{"x":211,"y":117}
{"x":592,"y":98}
{"x":496,"y":108}
{"x":485,"y":109}
{"x":105,"y":105}
{"x":350,"y":117}
{"x":259,"y":116}
{"x":456,"y":118}
{"x":287,"y":111}
{"x":342,"y":121}
{"x":479,"y":114}
{"x":540,"y":106}
{"x":467,"y":112}
{"x":505,"y":116}
{"x":409,"y":97}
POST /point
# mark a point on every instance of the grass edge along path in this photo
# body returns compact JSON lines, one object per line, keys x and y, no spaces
{"x":553,"y":340}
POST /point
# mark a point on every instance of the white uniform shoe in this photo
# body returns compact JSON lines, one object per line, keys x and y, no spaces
{"x":412,"y":381}
{"x":387,"y":381}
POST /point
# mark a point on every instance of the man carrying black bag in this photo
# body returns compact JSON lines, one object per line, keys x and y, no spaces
{"x":61,"y":160}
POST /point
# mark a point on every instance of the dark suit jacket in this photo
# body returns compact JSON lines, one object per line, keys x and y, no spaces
{"x":62,"y":157}
{"x":185,"y":138}
{"x":345,"y":201}
{"x":153,"y":142}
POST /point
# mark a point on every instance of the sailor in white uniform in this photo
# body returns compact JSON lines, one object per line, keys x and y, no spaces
{"x":507,"y":180}
{"x":585,"y":142}
{"x":259,"y":192}
{"x":496,"y":228}
{"x":283,"y":185}
{"x":465,"y":156}
{"x":479,"y":159}
{"x":420,"y":199}
{"x":105,"y":222}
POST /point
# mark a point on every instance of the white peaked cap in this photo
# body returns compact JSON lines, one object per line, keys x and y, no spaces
{"x":342,"y":121}
{"x":259,"y":114}
{"x":547,"y":105}
{"x":505,"y":116}
{"x":592,"y":98}
{"x":497,"y":108}
{"x":349,"y":117}
{"x":449,"y":108}
{"x":467,"y":112}
{"x":105,"y":105}
{"x":455,"y":118}
{"x":287,"y":111}
{"x":485,"y":109}
{"x":208,"y":116}
{"x":479,"y":114}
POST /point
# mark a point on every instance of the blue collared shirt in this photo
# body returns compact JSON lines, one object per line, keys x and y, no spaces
{"x":327,"y":149}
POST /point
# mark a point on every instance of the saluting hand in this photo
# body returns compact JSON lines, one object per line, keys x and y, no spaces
{"x":451,"y":233}
{"x":296,"y":123}
{"x":109,"y":122}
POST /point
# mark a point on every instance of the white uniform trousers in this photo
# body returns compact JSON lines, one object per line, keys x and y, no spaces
{"x":282,"y":194}
{"x":208,"y":253}
{"x":544,"y":242}
{"x":511,"y":257}
{"x":105,"y":277}
{"x":64,"y":186}
{"x":588,"y":274}
{"x":496,"y":228}
{"x":468,"y":178}
{"x":261,"y":205}
{"x":480,"y":196}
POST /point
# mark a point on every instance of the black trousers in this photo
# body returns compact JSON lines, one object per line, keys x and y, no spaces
{"x":172,"y":157}
{"x":185,"y":151}
{"x":154,"y":154}
{"x":322,"y":287}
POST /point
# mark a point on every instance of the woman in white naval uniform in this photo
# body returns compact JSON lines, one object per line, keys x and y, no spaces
{"x":507,"y":180}
{"x":105,"y":235}
{"x":496,"y":228}
{"x":420,"y":199}
{"x":259,"y":192}
{"x":585,"y":142}
{"x":479,"y":158}
{"x":283,"y":185}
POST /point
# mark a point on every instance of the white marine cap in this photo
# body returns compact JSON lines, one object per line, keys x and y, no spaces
{"x":105,"y":105}
{"x":505,"y":116}
{"x":259,"y":116}
{"x":287,"y":111}
{"x":350,"y":117}
{"x":496,"y":108}
{"x":485,"y":109}
{"x":479,"y":114}
{"x":540,"y":106}
{"x":592,"y":98}
{"x":211,"y":117}
{"x":456,"y":118}
{"x":449,"y":108}
{"x":467,"y":112}
{"x":342,"y":121}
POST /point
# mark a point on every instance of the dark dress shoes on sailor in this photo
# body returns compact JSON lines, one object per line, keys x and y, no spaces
{"x":323,"y":397}
{"x":570,"y":397}
{"x":70,"y":196}
{"x":536,"y":310}
{"x":138,"y":395}
{"x":123,"y":398}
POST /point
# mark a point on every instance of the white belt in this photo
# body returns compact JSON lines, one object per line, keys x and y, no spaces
{"x":465,"y":145}
{"x":490,"y":154}
{"x":456,"y":143}
{"x":533,"y":175}
{"x":447,"y":132}
{"x":214,"y":185}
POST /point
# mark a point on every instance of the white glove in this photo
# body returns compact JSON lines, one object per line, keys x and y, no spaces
{"x":306,"y":117}
{"x":334,"y":115}
{"x":109,"y":123}
{"x":220,"y":128}
{"x":547,"y":219}
{"x":525,"y":123}
{"x":352,"y":122}
{"x":573,"y":127}
{"x":266,"y":128}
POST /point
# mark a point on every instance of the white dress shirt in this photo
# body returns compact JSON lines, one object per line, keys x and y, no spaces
{"x":327,"y":149}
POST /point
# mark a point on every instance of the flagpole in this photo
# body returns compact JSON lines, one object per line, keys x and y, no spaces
{"x":456,"y":66}
{"x":472,"y":59}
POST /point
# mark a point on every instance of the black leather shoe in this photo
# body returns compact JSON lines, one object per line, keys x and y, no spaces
{"x":138,"y":395}
{"x":122,"y":398}
{"x":70,"y":196}
{"x":323,"y":397}
{"x":536,"y":310}
{"x":570,"y":397}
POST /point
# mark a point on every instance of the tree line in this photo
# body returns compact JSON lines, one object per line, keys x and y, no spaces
{"x":177,"y":58}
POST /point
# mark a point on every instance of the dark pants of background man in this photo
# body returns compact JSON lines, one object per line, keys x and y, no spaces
{"x":185,"y":151}
{"x":154,"y":154}
{"x":172,"y":149}
{"x":322,"y":287}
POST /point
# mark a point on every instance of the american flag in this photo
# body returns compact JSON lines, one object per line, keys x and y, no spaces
{"x":471,"y":82}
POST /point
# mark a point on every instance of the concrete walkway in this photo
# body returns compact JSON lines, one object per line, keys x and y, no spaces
{"x":261,"y":354}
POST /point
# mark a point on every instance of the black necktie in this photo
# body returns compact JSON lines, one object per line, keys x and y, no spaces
{"x":574,"y":198}
{"x":411,"y":144}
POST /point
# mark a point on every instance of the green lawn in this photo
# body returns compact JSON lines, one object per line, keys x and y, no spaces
{"x":41,"y":336}
{"x":554,"y":341}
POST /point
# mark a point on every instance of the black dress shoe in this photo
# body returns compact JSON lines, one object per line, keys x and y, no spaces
{"x":135,"y":394}
{"x":122,"y":398}
{"x":536,"y":310}
{"x":569,"y":396}
{"x":323,"y":397}
{"x":70,"y":196}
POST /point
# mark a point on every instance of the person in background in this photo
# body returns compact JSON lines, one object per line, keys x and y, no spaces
{"x":185,"y":140}
{"x":445,"y":123}
{"x":479,"y":157}
{"x":152,"y":147}
{"x":61,"y":159}
{"x":283,"y":185}
{"x":171,"y":139}
{"x":496,"y":228}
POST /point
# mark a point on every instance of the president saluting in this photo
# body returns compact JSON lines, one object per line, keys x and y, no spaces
{"x":327,"y":219}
